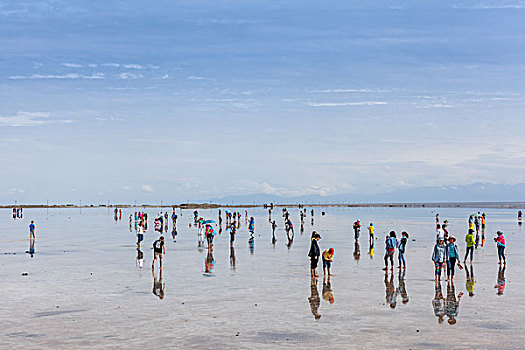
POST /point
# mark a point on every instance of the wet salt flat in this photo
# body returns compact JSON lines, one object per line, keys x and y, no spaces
{"x":83,"y":288}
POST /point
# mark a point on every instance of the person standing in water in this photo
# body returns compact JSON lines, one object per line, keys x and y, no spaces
{"x":357,"y":229}
{"x":328,"y":256}
{"x":274,"y":226}
{"x":32,"y":228}
{"x":314,"y":254}
{"x":483,"y":222}
{"x":371,"y":230}
{"x":438,"y":257}
{"x":158,"y":250}
{"x":390,"y":248}
{"x":500,"y":242}
{"x":452,"y":256}
{"x":469,"y":239}
{"x":401,"y":249}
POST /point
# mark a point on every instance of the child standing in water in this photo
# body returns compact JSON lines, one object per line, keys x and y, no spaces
{"x":438,"y":257}
{"x":401,"y":249}
{"x":327,"y":260}
{"x":500,"y":241}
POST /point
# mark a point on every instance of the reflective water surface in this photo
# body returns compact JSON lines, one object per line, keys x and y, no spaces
{"x":84,"y":281}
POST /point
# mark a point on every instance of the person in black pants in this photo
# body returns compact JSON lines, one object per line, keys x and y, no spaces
{"x":314,"y":254}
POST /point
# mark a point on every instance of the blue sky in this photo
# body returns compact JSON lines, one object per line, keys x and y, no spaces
{"x":192,"y":100}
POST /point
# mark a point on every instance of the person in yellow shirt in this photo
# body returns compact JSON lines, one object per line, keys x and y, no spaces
{"x":371,"y":233}
{"x":327,"y":260}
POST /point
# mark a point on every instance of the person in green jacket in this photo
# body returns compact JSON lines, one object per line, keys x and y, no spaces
{"x":471,"y":242}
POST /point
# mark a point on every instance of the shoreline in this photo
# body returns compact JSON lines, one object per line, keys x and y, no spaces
{"x":493,"y":205}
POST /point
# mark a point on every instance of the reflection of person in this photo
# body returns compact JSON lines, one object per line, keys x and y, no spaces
{"x":390,"y":290}
{"x":452,"y":304}
{"x":402,"y":288}
{"x":158,"y":286}
{"x":328,"y":294}
{"x":209,"y":262}
{"x":158,"y":250}
{"x":232,"y":258}
{"x":500,"y":284}
{"x":470,"y":282}
{"x":371,"y":250}
{"x":438,"y":304}
{"x":31,"y":250}
{"x":314,"y":299}
{"x":140,"y":258}
{"x":357,"y":251}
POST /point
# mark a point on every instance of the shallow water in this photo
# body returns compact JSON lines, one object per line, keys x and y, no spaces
{"x":83,"y":288}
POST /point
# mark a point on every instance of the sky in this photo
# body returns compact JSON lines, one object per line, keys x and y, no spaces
{"x":181,"y":101}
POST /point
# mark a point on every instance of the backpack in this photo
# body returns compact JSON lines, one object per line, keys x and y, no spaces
{"x":390,"y":243}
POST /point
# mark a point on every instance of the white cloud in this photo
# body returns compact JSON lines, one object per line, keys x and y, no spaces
{"x":348,"y":91}
{"x":133,"y":66}
{"x":72,"y":65}
{"x":128,"y":75}
{"x":343,"y":104}
{"x":195,"y":77}
{"x":114,"y":65}
{"x":15,"y":190}
{"x":70,"y":76}
{"x":126,"y":188}
{"x":165,"y":76}
{"x":29,"y":119}
{"x":147,"y":188}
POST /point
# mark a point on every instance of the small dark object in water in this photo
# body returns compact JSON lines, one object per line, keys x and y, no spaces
{"x":322,"y":213}
{"x":24,"y":274}
{"x":57,"y":306}
{"x":237,"y":334}
{"x":182,"y":303}
{"x":417,"y":330}
{"x":255,"y":304}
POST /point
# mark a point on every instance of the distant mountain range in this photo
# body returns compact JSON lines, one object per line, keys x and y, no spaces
{"x":477,"y":192}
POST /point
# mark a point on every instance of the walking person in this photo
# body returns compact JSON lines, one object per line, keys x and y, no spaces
{"x":469,"y":239}
{"x":500,"y":242}
{"x":438,"y":257}
{"x":314,"y":254}
{"x":452,"y":256}
{"x":390,"y":248}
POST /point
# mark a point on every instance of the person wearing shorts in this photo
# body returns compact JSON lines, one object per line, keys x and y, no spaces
{"x":327,"y":260}
{"x":158,"y":250}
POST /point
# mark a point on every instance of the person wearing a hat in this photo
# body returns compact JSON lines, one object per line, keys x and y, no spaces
{"x":438,"y":257}
{"x":452,"y":256}
{"x":314,"y":254}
